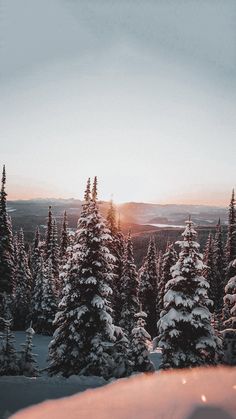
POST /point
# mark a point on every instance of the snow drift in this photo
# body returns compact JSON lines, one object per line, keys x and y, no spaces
{"x":166,"y":395}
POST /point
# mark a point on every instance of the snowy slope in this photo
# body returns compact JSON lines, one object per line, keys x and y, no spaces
{"x":167,"y":395}
{"x":20,"y":392}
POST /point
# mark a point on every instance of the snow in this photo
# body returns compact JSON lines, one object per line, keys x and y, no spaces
{"x":166,"y":395}
{"x":20,"y":392}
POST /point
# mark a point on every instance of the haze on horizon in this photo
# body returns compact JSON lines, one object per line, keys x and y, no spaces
{"x":139,"y":93}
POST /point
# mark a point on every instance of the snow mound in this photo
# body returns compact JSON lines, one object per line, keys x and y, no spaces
{"x":166,"y":395}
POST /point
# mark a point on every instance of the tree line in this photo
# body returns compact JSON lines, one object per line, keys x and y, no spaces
{"x":86,"y":291}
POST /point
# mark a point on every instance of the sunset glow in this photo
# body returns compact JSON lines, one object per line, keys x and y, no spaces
{"x":142,"y":103}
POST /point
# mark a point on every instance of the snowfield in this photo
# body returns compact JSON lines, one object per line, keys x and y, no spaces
{"x":167,"y":395}
{"x":19,"y":392}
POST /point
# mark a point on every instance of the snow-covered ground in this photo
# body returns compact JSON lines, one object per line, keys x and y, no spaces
{"x":20,"y":392}
{"x":166,"y":395}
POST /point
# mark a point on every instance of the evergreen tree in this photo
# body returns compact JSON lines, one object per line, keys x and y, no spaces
{"x":6,"y":251}
{"x":159,"y":265}
{"x":54,"y":257}
{"x":49,"y":303}
{"x":231,"y":238}
{"x":148,"y":287}
{"x":27,"y":362}
{"x":23,"y":286}
{"x":129,"y":289}
{"x":140,"y":344}
{"x":35,"y":256}
{"x":219,"y":269}
{"x":117,"y":248}
{"x":49,"y":234}
{"x":122,"y":355}
{"x":186,"y":334}
{"x":166,"y":262}
{"x":209,"y":271}
{"x":230,"y":302}
{"x":8,"y":355}
{"x":15,"y":248}
{"x":36,"y":309}
{"x":84,"y":324}
{"x":64,"y":243}
{"x":231,"y":264}
{"x":111,"y":219}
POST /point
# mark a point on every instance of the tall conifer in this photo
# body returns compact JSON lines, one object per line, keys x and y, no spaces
{"x":6,"y":252}
{"x":84,"y":323}
{"x":148,"y":287}
{"x":129,"y":289}
{"x":187,"y":337}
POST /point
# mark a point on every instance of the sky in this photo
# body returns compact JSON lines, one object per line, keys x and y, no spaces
{"x":140,"y":93}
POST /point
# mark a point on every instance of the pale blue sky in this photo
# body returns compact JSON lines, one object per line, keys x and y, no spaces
{"x":140,"y":93}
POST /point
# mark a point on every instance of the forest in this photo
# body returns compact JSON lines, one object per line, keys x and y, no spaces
{"x":102,"y":312}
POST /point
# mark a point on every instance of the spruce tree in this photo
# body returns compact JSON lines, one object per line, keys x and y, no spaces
{"x":23,"y":286}
{"x":8,"y":356}
{"x":148,"y":287}
{"x":166,"y":261}
{"x":123,"y":365}
{"x":186,"y":335}
{"x":6,"y":252}
{"x":231,"y":238}
{"x":49,"y":303}
{"x":140,"y":345}
{"x":35,"y":256}
{"x":111,"y":219}
{"x":84,"y":324}
{"x":117,"y":249}
{"x":129,"y":289}
{"x":49,"y":234}
{"x":230,"y":260}
{"x":36,"y":309}
{"x":209,"y":270}
{"x":54,"y":257}
{"x":64,"y":242}
{"x":230,"y":302}
{"x":27,"y":362}
{"x":219,"y":269}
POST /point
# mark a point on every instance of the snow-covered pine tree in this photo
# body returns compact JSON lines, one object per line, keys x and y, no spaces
{"x":15,"y":248}
{"x":159,"y":264}
{"x":49,"y":303}
{"x":37,"y":296}
{"x":231,"y":238}
{"x":8,"y":356}
{"x":141,"y":344}
{"x":186,"y":336}
{"x":123,"y":365}
{"x":209,"y":271}
{"x":166,"y":261}
{"x":230,"y":260}
{"x":85,"y":331}
{"x":6,"y":252}
{"x":111,"y":219}
{"x":27,"y":362}
{"x":148,"y":287}
{"x":219,"y":269}
{"x":117,"y":249}
{"x":64,"y":242}
{"x":129,"y":289}
{"x":35,"y":256}
{"x":230,"y":302}
{"x":23,"y":281}
{"x":54,"y":257}
{"x":48,"y":236}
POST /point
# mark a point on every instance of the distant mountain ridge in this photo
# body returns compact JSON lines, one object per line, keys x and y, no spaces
{"x":130,"y":212}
